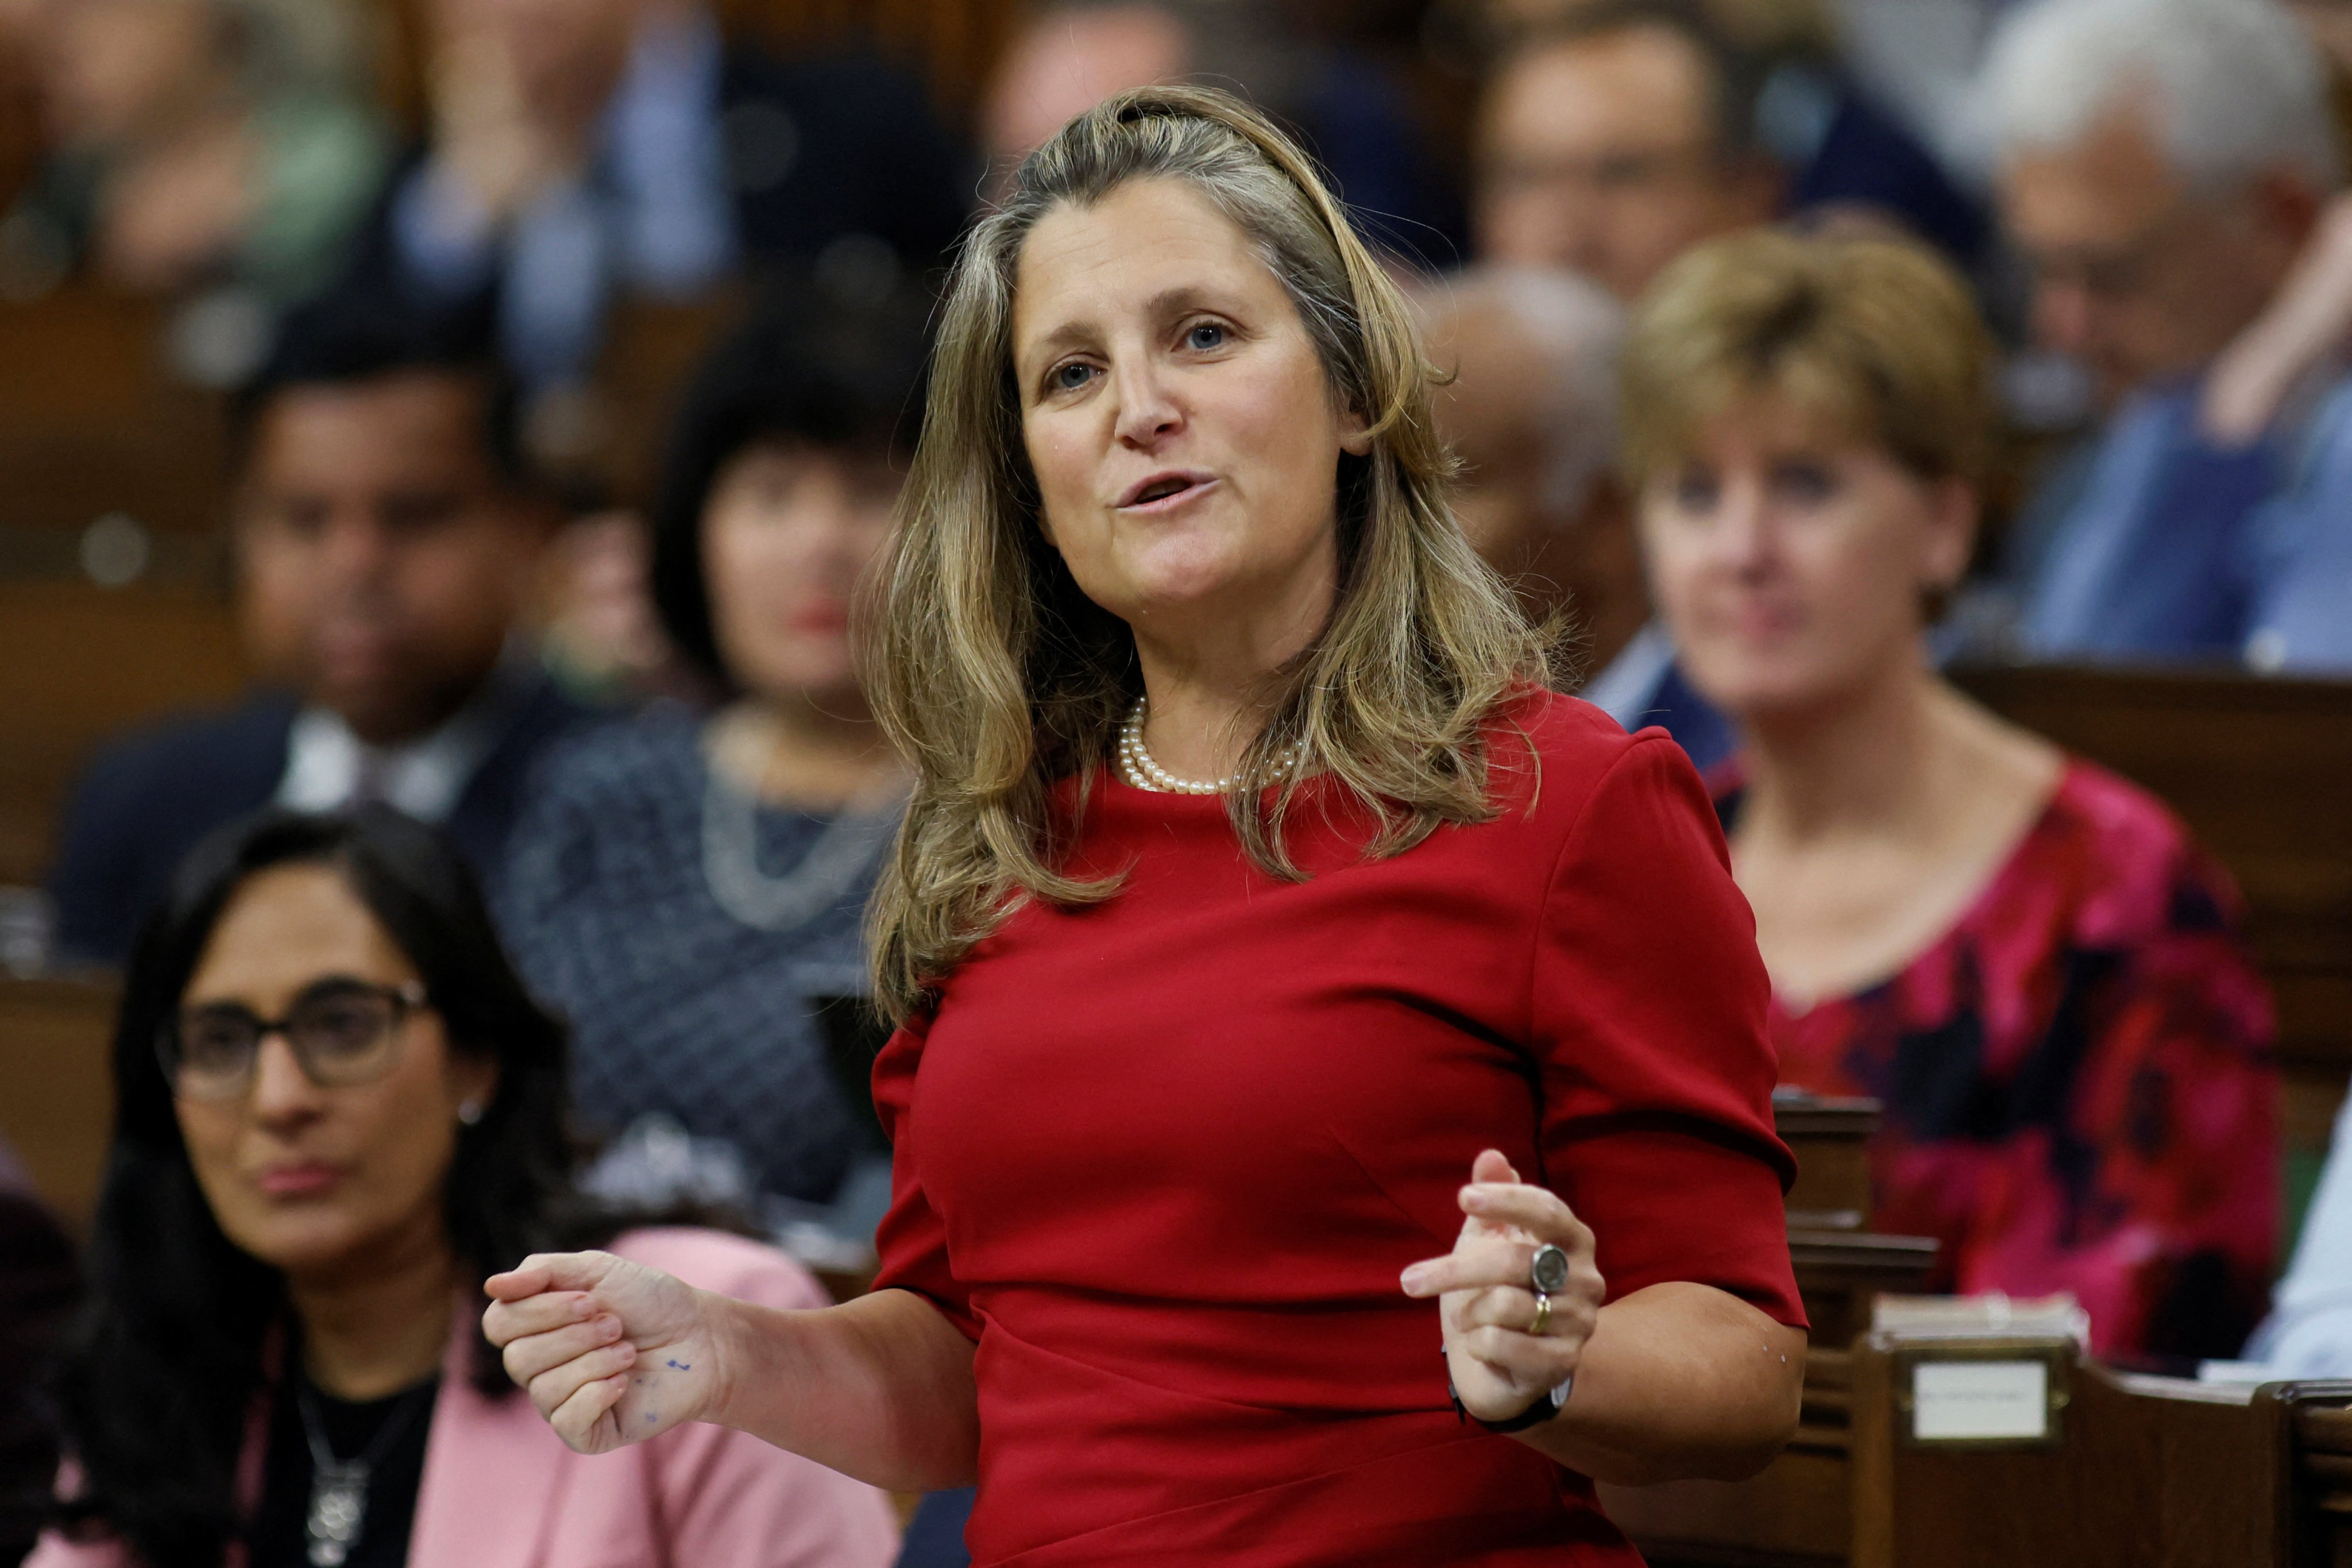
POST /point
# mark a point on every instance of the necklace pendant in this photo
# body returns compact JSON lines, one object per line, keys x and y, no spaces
{"x":337,"y":1512}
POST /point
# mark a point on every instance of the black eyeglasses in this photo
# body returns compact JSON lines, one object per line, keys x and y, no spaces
{"x":343,"y":1032}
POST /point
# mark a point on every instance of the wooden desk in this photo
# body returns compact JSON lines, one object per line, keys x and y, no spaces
{"x":1842,"y":1267}
{"x":2146,"y":1472}
{"x":1830,"y":1139}
{"x":2311,"y":1437}
{"x":56,"y":1086}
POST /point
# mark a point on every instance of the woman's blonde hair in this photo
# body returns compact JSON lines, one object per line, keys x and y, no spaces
{"x":1878,"y":338}
{"x":998,"y":676}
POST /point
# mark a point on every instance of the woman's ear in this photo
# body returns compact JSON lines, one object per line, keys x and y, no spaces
{"x":1355,"y":434}
{"x":1952,"y":514}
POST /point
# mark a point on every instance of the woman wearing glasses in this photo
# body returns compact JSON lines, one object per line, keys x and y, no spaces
{"x":337,"y":1111}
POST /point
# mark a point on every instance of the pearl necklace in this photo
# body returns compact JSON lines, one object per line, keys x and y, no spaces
{"x":1137,"y":767}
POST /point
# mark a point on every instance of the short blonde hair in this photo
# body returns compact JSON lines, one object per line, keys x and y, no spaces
{"x":1878,"y":338}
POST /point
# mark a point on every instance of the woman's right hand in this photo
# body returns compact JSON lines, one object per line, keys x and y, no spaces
{"x":611,"y":1351}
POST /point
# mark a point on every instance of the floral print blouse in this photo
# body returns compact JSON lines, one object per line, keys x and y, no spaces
{"x":2079,"y":1087}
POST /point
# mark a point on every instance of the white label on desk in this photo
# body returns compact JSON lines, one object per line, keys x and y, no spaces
{"x":1970,"y":1401}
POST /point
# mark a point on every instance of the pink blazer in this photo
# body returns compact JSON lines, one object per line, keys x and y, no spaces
{"x":501,"y":1489}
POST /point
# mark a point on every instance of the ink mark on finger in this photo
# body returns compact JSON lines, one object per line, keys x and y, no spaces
{"x":681,"y":1366}
{"x":651,"y":1417}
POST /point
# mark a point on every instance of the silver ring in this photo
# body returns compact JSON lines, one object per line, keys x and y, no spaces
{"x":1543,"y":1314}
{"x":1547,"y":1274}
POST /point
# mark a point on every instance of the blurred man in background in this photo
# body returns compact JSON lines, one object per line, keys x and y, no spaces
{"x":1531,"y":412}
{"x":586,"y":147}
{"x":1615,"y":134}
{"x":1614,"y":140}
{"x":1067,"y":56}
{"x":387,"y":539}
{"x":2162,"y":164}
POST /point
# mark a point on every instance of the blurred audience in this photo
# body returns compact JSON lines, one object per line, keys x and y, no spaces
{"x":2304,"y":535}
{"x":39,"y":1284}
{"x":582,"y":147}
{"x":686,"y":885}
{"x":1920,"y":59}
{"x":387,"y":537}
{"x":338,"y":1110}
{"x":198,"y":141}
{"x":1614,"y":134}
{"x":1069,"y":56}
{"x":2163,"y":163}
{"x":2027,"y":959}
{"x":1530,"y":411}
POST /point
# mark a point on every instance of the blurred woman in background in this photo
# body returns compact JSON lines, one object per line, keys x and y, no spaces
{"x":2025,"y":957}
{"x":686,"y":885}
{"x":337,"y":1111}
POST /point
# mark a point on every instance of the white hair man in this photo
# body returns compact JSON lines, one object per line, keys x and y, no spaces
{"x":2161,"y":163}
{"x":1531,"y":412}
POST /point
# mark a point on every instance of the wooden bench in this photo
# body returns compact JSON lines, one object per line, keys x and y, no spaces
{"x":953,"y":43}
{"x":2310,"y":1428}
{"x":92,"y":420}
{"x":79,"y":663}
{"x":1842,"y":1267}
{"x":56,"y":1086}
{"x":2137,"y":1472}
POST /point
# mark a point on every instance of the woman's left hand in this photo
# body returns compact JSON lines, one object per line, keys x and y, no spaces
{"x":1486,"y":1302}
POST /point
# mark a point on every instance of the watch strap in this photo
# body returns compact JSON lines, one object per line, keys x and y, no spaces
{"x":1547,"y":1405}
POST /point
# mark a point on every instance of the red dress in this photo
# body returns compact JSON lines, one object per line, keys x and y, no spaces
{"x":1164,"y":1157}
{"x":2079,"y":1089}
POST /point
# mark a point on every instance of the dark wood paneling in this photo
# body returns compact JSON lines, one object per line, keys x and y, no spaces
{"x":57,"y":1091}
{"x":91,"y":420}
{"x":79,"y":663}
{"x":952,"y":42}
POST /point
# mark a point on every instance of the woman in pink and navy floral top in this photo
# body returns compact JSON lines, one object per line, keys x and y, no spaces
{"x":2077,"y":1093}
{"x":2026,"y":958}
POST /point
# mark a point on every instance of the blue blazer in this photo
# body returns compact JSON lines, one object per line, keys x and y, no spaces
{"x":142,"y":804}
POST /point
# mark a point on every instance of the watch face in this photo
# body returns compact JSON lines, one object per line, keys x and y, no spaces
{"x":1550,"y":1270}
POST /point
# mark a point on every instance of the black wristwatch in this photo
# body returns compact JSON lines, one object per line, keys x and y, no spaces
{"x":1547,"y":1405}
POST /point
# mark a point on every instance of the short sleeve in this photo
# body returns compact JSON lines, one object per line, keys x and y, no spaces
{"x":912,"y":1242}
{"x":1649,"y":1024}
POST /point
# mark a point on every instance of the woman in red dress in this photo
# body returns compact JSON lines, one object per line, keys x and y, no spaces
{"x":2028,"y":960}
{"x":1302,"y":1010}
